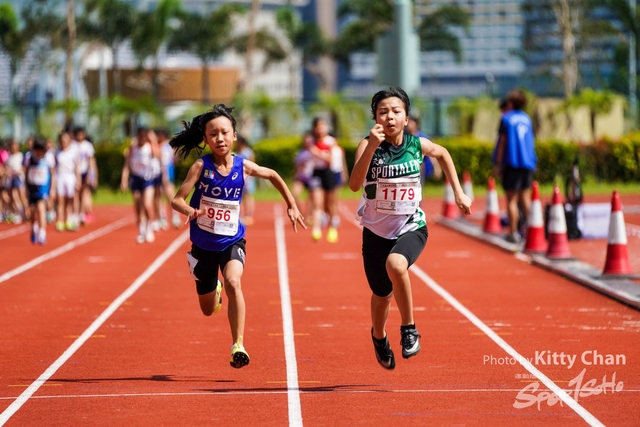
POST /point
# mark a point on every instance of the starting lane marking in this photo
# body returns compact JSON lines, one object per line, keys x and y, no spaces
{"x":88,"y":333}
{"x":14,"y":231}
{"x":434,"y":286}
{"x":293,"y":390}
{"x":66,"y":248}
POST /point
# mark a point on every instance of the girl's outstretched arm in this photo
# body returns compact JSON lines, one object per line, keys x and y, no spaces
{"x":294,"y":214}
{"x":446,"y":163}
{"x":179,"y":202}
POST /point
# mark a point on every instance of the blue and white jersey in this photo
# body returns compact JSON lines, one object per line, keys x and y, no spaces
{"x":38,"y":177}
{"x":220,"y":195}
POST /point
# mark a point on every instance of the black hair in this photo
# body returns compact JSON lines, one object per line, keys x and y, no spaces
{"x":64,"y":132}
{"x":415,"y":119}
{"x":392,"y":92}
{"x":142,"y":129}
{"x":503,"y":104}
{"x":39,"y":143}
{"x":193,"y":134}
{"x":317,"y":120}
{"x":162,"y":131}
{"x":78,"y":129}
{"x":517,"y":98}
{"x":242,"y":140}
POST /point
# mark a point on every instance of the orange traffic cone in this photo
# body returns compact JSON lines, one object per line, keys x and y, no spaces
{"x":558,"y":240}
{"x":492,"y":217}
{"x":449,"y":210}
{"x":535,"y":230}
{"x":467,"y":185}
{"x":617,"y":262}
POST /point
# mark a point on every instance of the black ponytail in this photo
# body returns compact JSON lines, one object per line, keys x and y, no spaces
{"x":192,"y":136}
{"x":188,"y":139}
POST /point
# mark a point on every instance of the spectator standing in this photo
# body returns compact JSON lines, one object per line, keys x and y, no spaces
{"x":514,"y":160}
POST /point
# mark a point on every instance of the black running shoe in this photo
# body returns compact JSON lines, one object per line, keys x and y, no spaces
{"x":410,"y":341}
{"x":384,"y":354}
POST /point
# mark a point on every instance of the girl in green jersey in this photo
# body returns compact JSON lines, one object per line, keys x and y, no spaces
{"x":387,"y":165}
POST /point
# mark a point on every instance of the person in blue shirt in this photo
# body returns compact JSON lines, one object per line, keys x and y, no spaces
{"x":40,"y":182}
{"x":217,"y":234}
{"x":430,"y":167}
{"x":515,"y":160}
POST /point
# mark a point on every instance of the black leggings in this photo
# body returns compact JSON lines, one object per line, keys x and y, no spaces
{"x":376,"y":249}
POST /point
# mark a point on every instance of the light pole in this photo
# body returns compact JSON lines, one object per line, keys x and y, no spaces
{"x":399,"y":51}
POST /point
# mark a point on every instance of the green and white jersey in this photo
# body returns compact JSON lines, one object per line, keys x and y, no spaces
{"x":390,"y":204}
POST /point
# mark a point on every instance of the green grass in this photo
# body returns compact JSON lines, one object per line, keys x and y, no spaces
{"x":107,"y":196}
{"x":265,"y":192}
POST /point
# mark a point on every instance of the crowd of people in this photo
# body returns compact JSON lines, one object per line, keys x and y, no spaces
{"x":45,"y":181}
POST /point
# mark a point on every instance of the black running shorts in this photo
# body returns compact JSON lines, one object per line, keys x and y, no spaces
{"x":206,"y":269}
{"x":322,"y":178}
{"x":376,"y":249}
{"x":516,"y":179}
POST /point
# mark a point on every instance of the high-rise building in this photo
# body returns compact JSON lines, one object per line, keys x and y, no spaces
{"x":489,"y":62}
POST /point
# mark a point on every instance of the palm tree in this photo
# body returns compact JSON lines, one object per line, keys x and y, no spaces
{"x":151,"y":32}
{"x":375,"y":17}
{"x":110,"y":22}
{"x":206,"y":36}
{"x":13,"y":40}
{"x":349,"y":118}
{"x":464,"y":110}
{"x":597,"y":102}
{"x":306,"y":37}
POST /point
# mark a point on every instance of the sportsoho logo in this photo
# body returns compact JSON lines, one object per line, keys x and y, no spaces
{"x":578,"y":387}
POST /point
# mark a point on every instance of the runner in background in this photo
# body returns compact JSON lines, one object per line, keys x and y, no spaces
{"x":4,"y":195}
{"x":15,"y":183}
{"x":302,"y":175}
{"x":248,"y":205}
{"x":157,"y":173}
{"x":40,"y":182}
{"x":430,"y":167}
{"x":138,"y":175}
{"x":67,"y":163}
{"x":86,"y":155}
{"x":52,"y":203}
{"x":168,"y":161}
{"x":322,"y":183}
{"x":341,"y":177}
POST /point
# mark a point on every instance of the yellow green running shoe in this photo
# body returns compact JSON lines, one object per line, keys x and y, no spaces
{"x":239,"y":356}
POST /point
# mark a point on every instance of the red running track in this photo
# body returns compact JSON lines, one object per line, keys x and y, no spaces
{"x":153,"y":359}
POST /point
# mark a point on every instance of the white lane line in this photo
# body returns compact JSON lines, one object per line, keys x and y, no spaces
{"x":315,"y":389}
{"x":13,"y":231}
{"x":66,"y":248}
{"x":293,"y":390}
{"x":579,"y":409}
{"x":22,"y":399}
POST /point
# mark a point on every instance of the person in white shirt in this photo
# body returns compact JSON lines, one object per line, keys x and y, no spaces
{"x":68,"y":181}
{"x":88,"y":176}
{"x":138,"y":175}
{"x":14,"y":182}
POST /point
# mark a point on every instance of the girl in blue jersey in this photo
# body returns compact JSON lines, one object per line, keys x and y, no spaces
{"x":217,"y":234}
{"x":394,"y":233}
{"x":40,"y":180}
